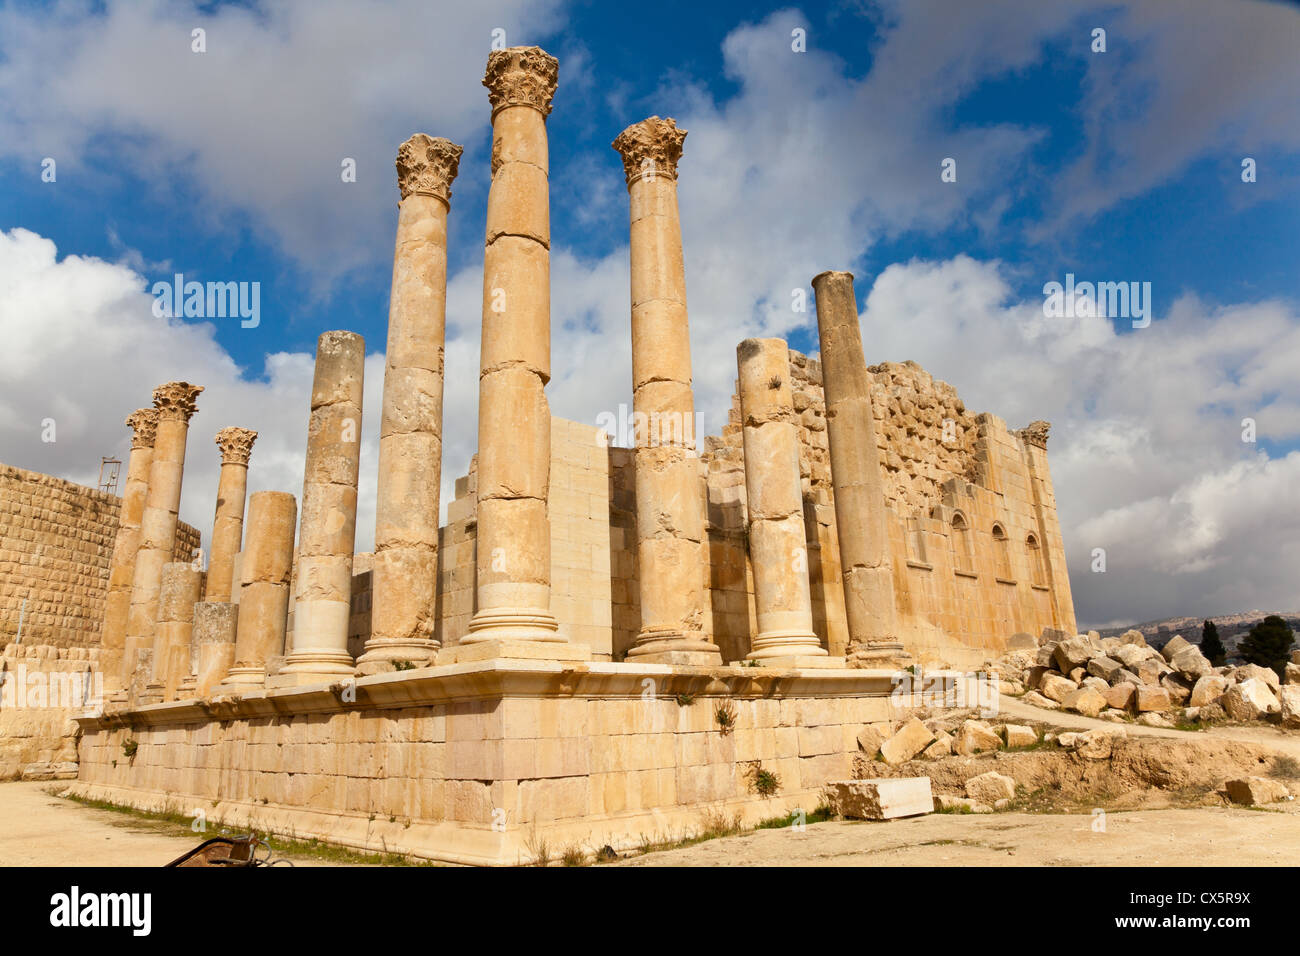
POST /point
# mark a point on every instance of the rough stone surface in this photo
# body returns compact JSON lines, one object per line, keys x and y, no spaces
{"x":911,"y":739}
{"x":988,"y":788}
{"x":884,"y":799}
{"x":1255,"y":791}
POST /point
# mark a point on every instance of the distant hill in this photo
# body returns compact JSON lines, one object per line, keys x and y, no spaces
{"x":1232,"y":628}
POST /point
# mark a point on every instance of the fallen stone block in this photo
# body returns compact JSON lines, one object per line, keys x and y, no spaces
{"x":989,"y":788}
{"x":882,"y":799}
{"x":1176,"y":644}
{"x":869,"y":740}
{"x":1096,"y":744}
{"x":1254,"y":791}
{"x":1154,"y":719}
{"x":1250,"y":700}
{"x":1120,"y":696}
{"x":1208,"y":689}
{"x":975,"y":737}
{"x":950,"y":803}
{"x":1018,"y":735}
{"x":1191,"y":663}
{"x":1178,"y":688}
{"x":1038,"y":700}
{"x":1056,"y":688}
{"x":1289,"y":700}
{"x":1131,"y":655}
{"x":942,"y":746}
{"x":1266,"y":674}
{"x":1086,"y":700}
{"x":911,"y":739}
{"x":1096,"y":683}
{"x":1291,"y":675}
{"x":1151,"y":698}
{"x":1133,"y":636}
{"x":1074,"y":652}
{"x":1104,"y":667}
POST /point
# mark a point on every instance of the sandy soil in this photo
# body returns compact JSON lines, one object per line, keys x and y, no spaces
{"x":38,"y":828}
{"x":1199,"y":837}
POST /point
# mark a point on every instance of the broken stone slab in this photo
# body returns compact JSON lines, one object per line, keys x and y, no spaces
{"x":1151,"y":698}
{"x":1191,"y":663}
{"x":1133,"y":636}
{"x":1250,"y":700}
{"x":1104,"y":668}
{"x":1291,"y":675}
{"x":1254,"y":791}
{"x":942,"y":746}
{"x":1178,"y":687}
{"x":1131,"y":655}
{"x":1067,"y":740}
{"x":1038,"y":700}
{"x":1086,"y":700}
{"x":1096,"y":683}
{"x":1018,"y":735}
{"x":1046,"y":656}
{"x":1266,"y":674}
{"x":1176,"y":644}
{"x":989,"y":788}
{"x":1152,"y":669}
{"x":1113,"y":715}
{"x":1154,"y":719}
{"x":1057,"y":688}
{"x":1208,"y":689}
{"x":869,"y":740}
{"x":911,"y":739}
{"x":1096,"y":744}
{"x":975,"y":737}
{"x":1074,"y":652}
{"x":1125,"y":677}
{"x":882,"y":799}
{"x":946,"y":801}
{"x":1289,"y":699}
{"x":1120,"y":696}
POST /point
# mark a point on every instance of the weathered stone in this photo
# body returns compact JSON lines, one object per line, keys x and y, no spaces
{"x":1121,"y":696}
{"x":1056,"y":688}
{"x":1038,"y":700}
{"x":1178,"y":688}
{"x":883,"y":799}
{"x":1074,"y":652}
{"x":950,"y":803}
{"x":869,"y":740}
{"x":1018,"y":735}
{"x":1255,"y":791}
{"x":1266,"y":674}
{"x":975,"y":737}
{"x":988,"y":788}
{"x":1174,"y":646}
{"x":941,"y":747}
{"x":1086,"y":700}
{"x":1096,"y":744}
{"x":1291,"y":675}
{"x":1191,"y":663}
{"x":1096,"y":683}
{"x":910,"y":740}
{"x":1289,"y":701}
{"x":1154,"y":719}
{"x":1151,"y":698}
{"x":1104,"y":668}
{"x":1208,"y":689}
{"x":1133,"y":636}
{"x":1249,"y":700}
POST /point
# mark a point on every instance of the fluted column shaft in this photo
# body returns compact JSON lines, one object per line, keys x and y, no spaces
{"x":121,"y":569}
{"x":404,"y":576}
{"x":327,"y":532}
{"x":669,"y":486}
{"x":175,"y":404}
{"x":778,"y":547}
{"x":855,"y":474}
{"x":514,"y":422}
{"x":236,"y":445}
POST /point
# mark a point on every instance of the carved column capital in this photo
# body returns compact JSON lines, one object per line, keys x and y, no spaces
{"x":521,"y":76}
{"x":145,"y":423}
{"x":1035,"y":433}
{"x":236,"y":445}
{"x":176,"y":400}
{"x":651,"y":147}
{"x":426,"y":166}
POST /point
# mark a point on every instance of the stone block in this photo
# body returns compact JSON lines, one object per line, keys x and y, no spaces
{"x":988,"y":788}
{"x":884,"y":799}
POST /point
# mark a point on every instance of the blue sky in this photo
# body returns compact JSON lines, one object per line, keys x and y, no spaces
{"x":1122,"y":165}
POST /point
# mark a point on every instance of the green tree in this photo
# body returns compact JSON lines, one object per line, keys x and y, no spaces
{"x":1211,"y":646}
{"x":1268,"y":643}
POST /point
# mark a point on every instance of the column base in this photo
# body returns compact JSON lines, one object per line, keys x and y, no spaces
{"x":677,"y":648}
{"x":513,"y":624}
{"x":241,"y":680}
{"x":878,"y":654}
{"x":383,"y":657}
{"x":188,"y":688}
{"x":314,"y":667}
{"x":153,"y":693}
{"x":521,"y":650}
{"x":797,"y":661}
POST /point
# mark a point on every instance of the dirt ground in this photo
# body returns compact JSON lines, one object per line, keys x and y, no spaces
{"x":1196,"y":837}
{"x":38,"y":828}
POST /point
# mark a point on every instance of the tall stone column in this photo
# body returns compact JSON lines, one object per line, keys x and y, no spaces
{"x":514,"y":421}
{"x":404,"y":576}
{"x":778,"y":547}
{"x":855,"y":477}
{"x":327,"y":533}
{"x":669,"y":490}
{"x":121,"y":568}
{"x":265,"y":566}
{"x":175,"y":403}
{"x":236,"y":445}
{"x":182,"y":583}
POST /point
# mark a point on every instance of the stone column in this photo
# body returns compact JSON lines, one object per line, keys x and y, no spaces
{"x":778,"y":547}
{"x":182,"y":585}
{"x":404,"y":576}
{"x":669,"y":490}
{"x":121,"y":568}
{"x":175,"y":403}
{"x":214,"y":636}
{"x":855,"y":477}
{"x":514,"y":422}
{"x":236,"y":446}
{"x":265,"y":565}
{"x":323,"y":602}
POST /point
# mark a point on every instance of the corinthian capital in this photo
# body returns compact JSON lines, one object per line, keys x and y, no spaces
{"x":651,"y":148}
{"x":426,"y":165}
{"x":521,"y":76}
{"x":145,"y":423}
{"x":236,"y":445}
{"x":1035,"y":433}
{"x":176,"y":400}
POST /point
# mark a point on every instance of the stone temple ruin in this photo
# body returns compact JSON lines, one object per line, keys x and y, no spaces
{"x":601,"y":642}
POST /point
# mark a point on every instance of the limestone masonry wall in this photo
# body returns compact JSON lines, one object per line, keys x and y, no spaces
{"x":56,"y":539}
